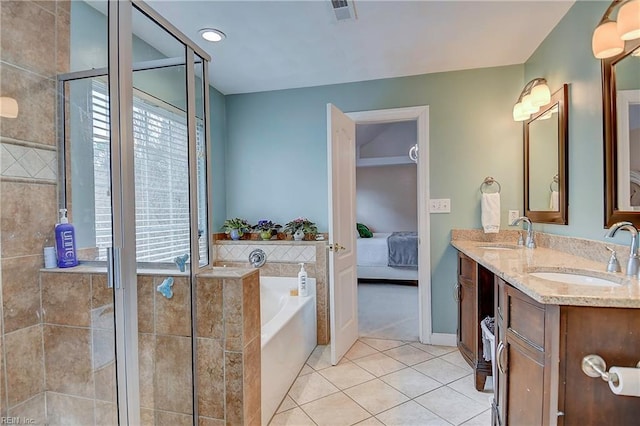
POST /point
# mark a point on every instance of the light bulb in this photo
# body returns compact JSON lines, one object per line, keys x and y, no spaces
{"x":528,"y":106}
{"x":606,"y":42}
{"x":8,"y":107}
{"x":518,"y":113}
{"x":628,"y":26}
{"x":541,"y":95}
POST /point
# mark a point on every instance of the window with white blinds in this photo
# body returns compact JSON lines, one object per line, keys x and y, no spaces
{"x":161,"y":176}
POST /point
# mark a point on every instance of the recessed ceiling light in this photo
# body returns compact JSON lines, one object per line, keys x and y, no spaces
{"x":211,"y":34}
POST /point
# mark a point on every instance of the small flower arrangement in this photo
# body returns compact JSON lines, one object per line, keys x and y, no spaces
{"x":266,"y":225}
{"x":301,"y":223}
{"x":241,"y":225}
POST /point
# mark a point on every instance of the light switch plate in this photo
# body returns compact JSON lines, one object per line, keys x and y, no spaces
{"x":440,"y":205}
{"x":513,"y":215}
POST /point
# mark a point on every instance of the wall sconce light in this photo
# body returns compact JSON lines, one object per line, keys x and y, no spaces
{"x":535,"y":94}
{"x":8,"y":107}
{"x":609,"y":36}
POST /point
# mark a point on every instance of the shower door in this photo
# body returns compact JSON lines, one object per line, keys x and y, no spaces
{"x":134,"y":162}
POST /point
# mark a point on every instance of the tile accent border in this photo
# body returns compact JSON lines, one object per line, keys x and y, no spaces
{"x":284,"y":252}
{"x":27,"y":161}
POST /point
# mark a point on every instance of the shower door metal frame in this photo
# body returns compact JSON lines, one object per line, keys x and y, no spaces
{"x":120,"y":65}
{"x":123,"y":267}
{"x":123,"y":199}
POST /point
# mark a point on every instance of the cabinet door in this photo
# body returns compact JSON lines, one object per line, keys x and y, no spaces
{"x":467,"y":323}
{"x":467,"y":313}
{"x":524,"y":384}
{"x":528,"y":382}
{"x":500,"y":379}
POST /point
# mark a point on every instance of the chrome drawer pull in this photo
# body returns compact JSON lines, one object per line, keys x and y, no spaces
{"x":500,"y":351}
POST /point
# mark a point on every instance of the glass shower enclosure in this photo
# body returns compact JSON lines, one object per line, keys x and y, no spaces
{"x":133,"y":176}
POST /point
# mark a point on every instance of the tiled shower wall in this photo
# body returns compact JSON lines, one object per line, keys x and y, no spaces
{"x":34,"y":48}
{"x":79,"y":361}
{"x":283,"y":258}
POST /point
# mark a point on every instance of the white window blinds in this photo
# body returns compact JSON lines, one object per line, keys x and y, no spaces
{"x":161,"y":176}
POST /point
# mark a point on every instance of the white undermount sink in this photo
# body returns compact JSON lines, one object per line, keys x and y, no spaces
{"x":499,"y":247}
{"x":575,"y":278}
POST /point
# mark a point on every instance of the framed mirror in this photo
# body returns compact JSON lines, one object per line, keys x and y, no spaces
{"x":621,"y":113}
{"x":545,"y":161}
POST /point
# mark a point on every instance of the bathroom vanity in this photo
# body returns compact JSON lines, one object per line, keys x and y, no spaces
{"x":544,"y":328}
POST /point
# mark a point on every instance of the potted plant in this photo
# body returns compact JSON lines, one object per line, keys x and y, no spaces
{"x":266,"y":228}
{"x":236,"y":227}
{"x":299,"y":227}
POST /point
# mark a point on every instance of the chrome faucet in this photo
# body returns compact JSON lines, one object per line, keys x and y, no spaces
{"x":634,"y":262}
{"x":530,"y":241}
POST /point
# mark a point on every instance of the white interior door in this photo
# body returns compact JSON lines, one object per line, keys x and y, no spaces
{"x":343,"y":281}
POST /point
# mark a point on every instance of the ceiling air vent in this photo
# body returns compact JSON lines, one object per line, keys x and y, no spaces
{"x":343,"y":9}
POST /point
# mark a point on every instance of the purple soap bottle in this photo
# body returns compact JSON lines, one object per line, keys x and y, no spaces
{"x":65,"y":242}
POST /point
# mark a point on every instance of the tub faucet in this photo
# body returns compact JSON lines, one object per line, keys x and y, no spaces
{"x":634,"y":262}
{"x":530,"y":241}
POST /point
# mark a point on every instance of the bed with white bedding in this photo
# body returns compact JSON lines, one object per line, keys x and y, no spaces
{"x":373,"y":260}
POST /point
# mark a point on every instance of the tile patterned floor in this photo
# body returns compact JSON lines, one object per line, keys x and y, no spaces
{"x":386,"y":382}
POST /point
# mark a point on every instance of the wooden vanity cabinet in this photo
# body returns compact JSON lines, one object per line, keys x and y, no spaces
{"x":527,"y":344}
{"x":612,"y":333}
{"x":474,"y":294}
{"x":539,"y":351}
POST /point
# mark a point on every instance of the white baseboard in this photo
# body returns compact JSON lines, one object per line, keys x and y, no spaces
{"x":443,"y":339}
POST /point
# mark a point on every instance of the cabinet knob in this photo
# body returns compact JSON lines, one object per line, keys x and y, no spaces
{"x":456,"y":292}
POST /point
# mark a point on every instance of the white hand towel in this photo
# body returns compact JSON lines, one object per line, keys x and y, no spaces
{"x":554,"y":201}
{"x":490,"y":217}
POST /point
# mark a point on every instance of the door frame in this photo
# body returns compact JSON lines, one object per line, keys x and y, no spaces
{"x":419,"y":114}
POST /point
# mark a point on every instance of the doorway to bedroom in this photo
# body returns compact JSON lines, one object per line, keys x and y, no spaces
{"x":387,"y":214}
{"x":391,"y":184}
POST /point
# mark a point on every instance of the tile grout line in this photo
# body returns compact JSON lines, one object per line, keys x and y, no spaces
{"x":379,"y":377}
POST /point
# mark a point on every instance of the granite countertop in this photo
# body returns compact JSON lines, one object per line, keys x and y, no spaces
{"x":515,"y":266}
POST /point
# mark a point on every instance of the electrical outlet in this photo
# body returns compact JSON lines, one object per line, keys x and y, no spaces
{"x":440,"y":205}
{"x":513,"y":215}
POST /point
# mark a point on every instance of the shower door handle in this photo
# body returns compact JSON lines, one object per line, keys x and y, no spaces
{"x":113,"y":263}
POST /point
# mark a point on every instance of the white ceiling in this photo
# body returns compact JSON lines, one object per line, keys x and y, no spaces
{"x":273,"y":45}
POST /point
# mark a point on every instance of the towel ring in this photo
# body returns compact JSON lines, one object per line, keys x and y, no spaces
{"x":489,"y":181}
{"x":555,"y":180}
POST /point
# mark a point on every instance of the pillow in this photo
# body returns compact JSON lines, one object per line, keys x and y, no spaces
{"x":363,"y":230}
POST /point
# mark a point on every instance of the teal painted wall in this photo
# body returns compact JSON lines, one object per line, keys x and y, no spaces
{"x":277,"y":162}
{"x":565,"y":57}
{"x":218,"y":138}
